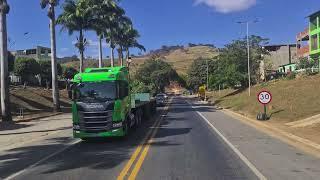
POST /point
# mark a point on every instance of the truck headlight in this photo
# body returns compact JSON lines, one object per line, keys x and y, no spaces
{"x":76,"y":127}
{"x":117,"y":125}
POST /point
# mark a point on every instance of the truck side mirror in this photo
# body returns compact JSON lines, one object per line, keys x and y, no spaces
{"x":70,"y":91}
{"x":70,"y":94}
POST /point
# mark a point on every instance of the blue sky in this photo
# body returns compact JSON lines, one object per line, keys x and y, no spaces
{"x":171,"y":22}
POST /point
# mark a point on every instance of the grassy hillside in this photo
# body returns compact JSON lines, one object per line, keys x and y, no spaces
{"x":180,"y":59}
{"x":292,"y":99}
{"x":86,"y":64}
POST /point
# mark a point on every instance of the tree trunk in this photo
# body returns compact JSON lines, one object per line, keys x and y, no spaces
{"x":5,"y":96}
{"x":100,"y":51}
{"x":55,"y":88}
{"x":81,"y":50}
{"x":112,"y":57}
{"x":127,"y":54}
{"x":47,"y":85}
{"x":120,"y":55}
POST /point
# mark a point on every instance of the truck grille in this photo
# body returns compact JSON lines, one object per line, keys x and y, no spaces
{"x":95,"y":122}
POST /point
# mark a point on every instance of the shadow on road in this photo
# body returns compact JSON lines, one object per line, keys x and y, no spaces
{"x":11,"y":126}
{"x":94,"y":155}
{"x":28,"y":132}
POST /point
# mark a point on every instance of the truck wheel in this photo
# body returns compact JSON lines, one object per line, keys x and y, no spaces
{"x":139,"y":118}
{"x":126,"y":127}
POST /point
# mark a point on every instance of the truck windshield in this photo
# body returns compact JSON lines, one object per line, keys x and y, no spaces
{"x":101,"y":91}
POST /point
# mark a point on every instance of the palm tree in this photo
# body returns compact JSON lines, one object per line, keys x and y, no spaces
{"x":116,"y":35}
{"x":126,"y":37}
{"x":77,"y":16}
{"x":131,"y":41}
{"x":5,"y":96}
{"x":105,"y":12}
{"x":51,"y":14}
{"x":110,"y":35}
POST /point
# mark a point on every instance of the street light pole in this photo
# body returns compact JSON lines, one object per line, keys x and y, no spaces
{"x":207,"y":78}
{"x":248,"y":46}
{"x":248,"y":50}
{"x":207,"y":75}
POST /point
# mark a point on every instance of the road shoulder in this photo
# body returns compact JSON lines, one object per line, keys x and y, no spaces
{"x":274,"y":158}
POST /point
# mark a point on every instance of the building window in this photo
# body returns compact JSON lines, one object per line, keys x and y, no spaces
{"x":314,"y":42}
{"x":313,"y":23}
{"x":31,"y":51}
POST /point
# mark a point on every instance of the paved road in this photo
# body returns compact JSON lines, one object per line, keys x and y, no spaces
{"x":183,"y":146}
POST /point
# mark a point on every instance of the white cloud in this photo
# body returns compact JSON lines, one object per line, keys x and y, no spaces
{"x":64,"y":49}
{"x":227,"y":6}
{"x":93,"y":43}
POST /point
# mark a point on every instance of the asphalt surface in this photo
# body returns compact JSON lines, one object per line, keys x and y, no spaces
{"x":183,"y":147}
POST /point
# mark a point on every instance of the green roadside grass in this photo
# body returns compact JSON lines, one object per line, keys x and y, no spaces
{"x":292,"y":99}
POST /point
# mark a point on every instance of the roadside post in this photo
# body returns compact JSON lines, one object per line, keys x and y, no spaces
{"x":264,"y":98}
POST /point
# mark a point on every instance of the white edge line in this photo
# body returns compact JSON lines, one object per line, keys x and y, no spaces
{"x":241,"y":156}
{"x":42,"y":160}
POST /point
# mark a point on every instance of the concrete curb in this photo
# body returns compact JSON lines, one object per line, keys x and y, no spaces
{"x":36,"y":118}
{"x":291,"y":139}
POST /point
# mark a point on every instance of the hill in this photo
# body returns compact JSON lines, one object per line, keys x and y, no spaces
{"x":178,"y":56}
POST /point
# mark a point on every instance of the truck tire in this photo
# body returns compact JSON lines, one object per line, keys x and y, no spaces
{"x":126,"y":127}
{"x":139,"y":118}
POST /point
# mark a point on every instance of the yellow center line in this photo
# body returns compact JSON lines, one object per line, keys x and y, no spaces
{"x":134,"y":156}
{"x":144,"y":153}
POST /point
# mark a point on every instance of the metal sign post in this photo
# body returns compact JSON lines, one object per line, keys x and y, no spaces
{"x":264,"y":97}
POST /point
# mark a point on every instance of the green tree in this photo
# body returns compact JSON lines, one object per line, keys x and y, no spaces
{"x":139,"y":87}
{"x":197,"y":72}
{"x":305,"y":63}
{"x":232,"y":66}
{"x":156,"y":74}
{"x":26,"y":67}
{"x":54,"y":77}
{"x":77,"y":16}
{"x":46,"y":71}
{"x":11,"y":60}
{"x":68,"y":72}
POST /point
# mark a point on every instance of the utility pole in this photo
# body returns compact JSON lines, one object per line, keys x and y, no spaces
{"x":248,"y":50}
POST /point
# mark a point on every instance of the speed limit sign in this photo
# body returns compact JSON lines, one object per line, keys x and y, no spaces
{"x":264,"y":97}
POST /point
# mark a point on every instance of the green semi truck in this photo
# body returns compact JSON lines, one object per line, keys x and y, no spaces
{"x":103,"y":106}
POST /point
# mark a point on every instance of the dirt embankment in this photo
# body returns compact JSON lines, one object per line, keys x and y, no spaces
{"x":293,"y":102}
{"x":35,"y":101}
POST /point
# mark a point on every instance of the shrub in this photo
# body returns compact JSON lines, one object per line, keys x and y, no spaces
{"x":291,"y":75}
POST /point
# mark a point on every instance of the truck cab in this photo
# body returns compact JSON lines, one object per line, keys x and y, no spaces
{"x":101,"y":103}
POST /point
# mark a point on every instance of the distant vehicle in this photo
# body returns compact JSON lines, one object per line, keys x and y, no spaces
{"x":160,"y":99}
{"x":164,"y":95}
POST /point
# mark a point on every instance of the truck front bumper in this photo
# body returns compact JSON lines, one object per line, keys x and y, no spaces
{"x":112,"y":133}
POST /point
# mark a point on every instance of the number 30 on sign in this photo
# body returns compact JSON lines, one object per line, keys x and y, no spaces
{"x":264,"y":97}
